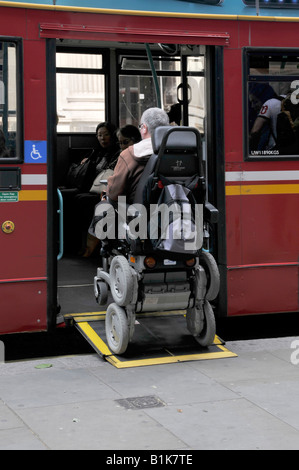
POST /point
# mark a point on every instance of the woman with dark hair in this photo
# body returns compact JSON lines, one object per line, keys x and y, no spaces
{"x":109,"y":149}
{"x":79,"y":201}
{"x":107,"y":153}
{"x":128,"y":135}
{"x":103,"y":158}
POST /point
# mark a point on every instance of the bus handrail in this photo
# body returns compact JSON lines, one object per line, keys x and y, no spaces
{"x":60,"y":212}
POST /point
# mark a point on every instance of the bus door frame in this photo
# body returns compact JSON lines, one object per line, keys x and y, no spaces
{"x":52,"y":216}
{"x":215,"y":166}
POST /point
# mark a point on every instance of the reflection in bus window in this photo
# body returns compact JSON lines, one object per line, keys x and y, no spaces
{"x":8,"y":99}
{"x":272,"y":104}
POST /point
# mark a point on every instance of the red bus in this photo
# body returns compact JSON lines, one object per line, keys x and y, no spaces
{"x":65,"y":68}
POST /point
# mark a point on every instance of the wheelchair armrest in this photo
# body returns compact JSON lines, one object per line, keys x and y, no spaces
{"x":210,"y":213}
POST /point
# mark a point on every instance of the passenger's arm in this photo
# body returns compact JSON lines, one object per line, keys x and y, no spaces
{"x":118,"y":181}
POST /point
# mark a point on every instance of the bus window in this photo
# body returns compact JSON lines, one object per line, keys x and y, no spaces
{"x":10,"y":135}
{"x":196,"y":85}
{"x":80,"y":91}
{"x":137,"y":93}
{"x":137,"y":90}
{"x":272,"y":104}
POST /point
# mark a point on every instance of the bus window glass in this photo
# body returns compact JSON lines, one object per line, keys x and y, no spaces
{"x":8,"y":101}
{"x":196,"y":64}
{"x":196,"y":98}
{"x":78,"y":61}
{"x":272,"y":105}
{"x":273,"y":64}
{"x":142,"y":63}
{"x":137,"y":93}
{"x":80,"y":91}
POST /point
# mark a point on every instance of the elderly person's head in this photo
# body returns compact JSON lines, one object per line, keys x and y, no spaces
{"x":150,"y":119}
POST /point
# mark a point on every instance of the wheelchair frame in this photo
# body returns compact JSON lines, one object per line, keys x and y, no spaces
{"x":143,"y":282}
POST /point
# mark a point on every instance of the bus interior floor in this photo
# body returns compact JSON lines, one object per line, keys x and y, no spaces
{"x":75,"y":284}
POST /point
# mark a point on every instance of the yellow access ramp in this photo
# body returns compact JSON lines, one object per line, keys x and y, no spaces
{"x":159,"y":338}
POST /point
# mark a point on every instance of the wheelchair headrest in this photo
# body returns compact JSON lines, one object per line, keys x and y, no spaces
{"x":177,"y":139}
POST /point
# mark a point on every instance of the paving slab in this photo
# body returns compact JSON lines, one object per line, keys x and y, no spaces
{"x":234,"y":424}
{"x":20,"y":439}
{"x":96,"y":425}
{"x":47,"y":387}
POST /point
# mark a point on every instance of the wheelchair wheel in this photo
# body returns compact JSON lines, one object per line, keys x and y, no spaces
{"x":207,"y":261}
{"x":102,"y":292}
{"x":121,"y":281}
{"x":207,"y":334}
{"x":117,"y":329}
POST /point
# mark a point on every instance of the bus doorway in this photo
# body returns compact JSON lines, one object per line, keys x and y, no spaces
{"x":115,"y":83}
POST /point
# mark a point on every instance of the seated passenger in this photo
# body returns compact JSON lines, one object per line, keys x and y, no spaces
{"x":127,"y":135}
{"x":79,"y":205}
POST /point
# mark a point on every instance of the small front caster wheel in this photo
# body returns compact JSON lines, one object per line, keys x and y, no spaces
{"x":117,"y":329}
{"x":207,"y":334}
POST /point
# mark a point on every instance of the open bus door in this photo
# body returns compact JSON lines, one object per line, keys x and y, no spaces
{"x":182,"y":87}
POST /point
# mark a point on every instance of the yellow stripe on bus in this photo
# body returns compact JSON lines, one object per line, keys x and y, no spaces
{"x":230,"y":190}
{"x":254,"y":189}
{"x":34,"y":195}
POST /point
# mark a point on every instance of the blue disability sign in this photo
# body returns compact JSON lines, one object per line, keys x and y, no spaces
{"x":36,"y":151}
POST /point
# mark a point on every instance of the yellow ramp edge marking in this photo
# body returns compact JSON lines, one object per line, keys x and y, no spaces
{"x":94,"y":338}
{"x":82,"y":319}
{"x":85,"y":317}
{"x":170,"y":360}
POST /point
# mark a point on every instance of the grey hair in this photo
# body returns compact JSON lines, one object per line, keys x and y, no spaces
{"x":154,"y":117}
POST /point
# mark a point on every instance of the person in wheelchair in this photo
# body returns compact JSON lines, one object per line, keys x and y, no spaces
{"x":161,"y":266}
{"x":132,"y":160}
{"x":127,"y":172}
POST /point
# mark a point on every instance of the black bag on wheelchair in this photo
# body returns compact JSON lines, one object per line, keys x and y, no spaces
{"x":173,"y":221}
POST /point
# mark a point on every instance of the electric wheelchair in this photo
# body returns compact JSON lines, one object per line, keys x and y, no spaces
{"x":148,"y":268}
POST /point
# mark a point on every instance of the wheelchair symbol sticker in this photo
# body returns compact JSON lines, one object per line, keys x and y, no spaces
{"x":35,"y":151}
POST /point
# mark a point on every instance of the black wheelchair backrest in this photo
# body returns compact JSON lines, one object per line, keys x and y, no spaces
{"x":179,"y":151}
{"x":176,"y":139}
{"x":177,"y":156}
